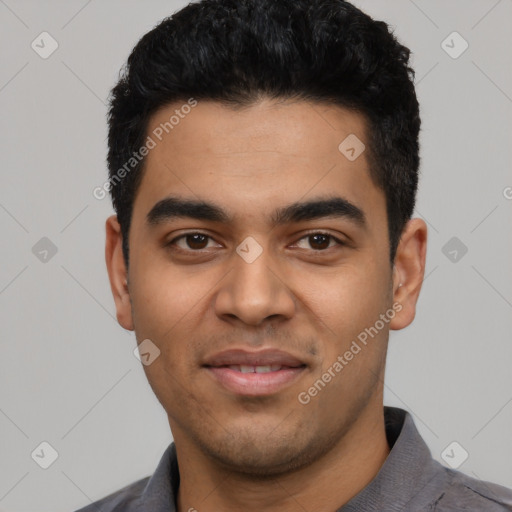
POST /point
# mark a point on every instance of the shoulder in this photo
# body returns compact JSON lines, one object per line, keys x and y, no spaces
{"x":125,"y":499}
{"x":463,"y":492}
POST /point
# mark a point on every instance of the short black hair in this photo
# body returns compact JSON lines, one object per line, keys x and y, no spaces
{"x":238,"y":51}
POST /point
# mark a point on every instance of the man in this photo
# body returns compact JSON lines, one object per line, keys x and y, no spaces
{"x":263,"y":163}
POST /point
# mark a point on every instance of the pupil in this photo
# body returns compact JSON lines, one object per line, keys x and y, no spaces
{"x":320,"y":241}
{"x":196,"y":241}
{"x":325,"y":238}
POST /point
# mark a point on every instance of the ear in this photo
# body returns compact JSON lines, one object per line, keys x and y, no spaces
{"x":409,"y":271}
{"x":117,"y":272}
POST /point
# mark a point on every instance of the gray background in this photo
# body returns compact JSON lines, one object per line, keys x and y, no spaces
{"x":68,"y":374}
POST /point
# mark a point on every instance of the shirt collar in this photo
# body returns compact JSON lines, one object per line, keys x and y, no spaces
{"x":161,"y":491}
{"x":405,"y":472}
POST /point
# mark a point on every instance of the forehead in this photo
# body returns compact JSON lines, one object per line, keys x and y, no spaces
{"x":248,"y":158}
{"x":211,"y":128}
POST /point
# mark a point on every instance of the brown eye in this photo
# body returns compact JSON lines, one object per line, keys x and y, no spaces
{"x":320,"y":241}
{"x":196,"y":241}
{"x":191,"y":242}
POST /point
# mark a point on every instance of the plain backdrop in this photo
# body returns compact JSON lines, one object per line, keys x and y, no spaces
{"x":68,"y":374}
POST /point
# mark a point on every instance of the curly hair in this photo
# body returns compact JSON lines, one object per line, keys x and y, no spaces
{"x":238,"y":51}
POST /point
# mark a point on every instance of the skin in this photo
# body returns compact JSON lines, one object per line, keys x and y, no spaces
{"x":266,"y":453}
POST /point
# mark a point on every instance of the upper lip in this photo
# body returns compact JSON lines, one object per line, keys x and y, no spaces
{"x":247,"y":358}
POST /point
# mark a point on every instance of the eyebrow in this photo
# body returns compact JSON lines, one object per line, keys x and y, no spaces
{"x":173,"y":207}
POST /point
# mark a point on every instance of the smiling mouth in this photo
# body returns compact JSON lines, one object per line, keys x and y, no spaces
{"x":261,"y":380}
{"x":256,"y":369}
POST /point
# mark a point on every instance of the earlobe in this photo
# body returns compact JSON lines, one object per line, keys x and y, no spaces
{"x":117,"y":272}
{"x":408,"y":271}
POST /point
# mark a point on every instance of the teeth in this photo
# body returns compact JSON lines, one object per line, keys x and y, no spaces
{"x":263,"y":369}
{"x":255,"y":369}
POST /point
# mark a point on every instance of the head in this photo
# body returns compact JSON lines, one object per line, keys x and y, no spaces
{"x":270,"y":156}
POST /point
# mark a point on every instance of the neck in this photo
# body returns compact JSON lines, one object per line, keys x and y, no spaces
{"x":326,"y":484}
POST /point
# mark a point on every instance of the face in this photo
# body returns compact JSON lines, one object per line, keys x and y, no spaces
{"x":291,"y":254}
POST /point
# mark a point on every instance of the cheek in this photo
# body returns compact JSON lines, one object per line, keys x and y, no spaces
{"x":164,"y":300}
{"x":344,"y":301}
{"x":165,"y":308}
{"x":169,"y":307}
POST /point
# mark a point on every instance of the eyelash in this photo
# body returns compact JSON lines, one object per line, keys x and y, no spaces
{"x":307,"y":235}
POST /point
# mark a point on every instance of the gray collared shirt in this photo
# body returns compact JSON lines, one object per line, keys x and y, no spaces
{"x":410,"y":480}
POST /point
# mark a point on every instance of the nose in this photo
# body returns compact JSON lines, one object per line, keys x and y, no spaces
{"x":254,"y":291}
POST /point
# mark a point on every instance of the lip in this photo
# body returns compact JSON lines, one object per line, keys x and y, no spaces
{"x":254,"y":384}
{"x":265,"y":357}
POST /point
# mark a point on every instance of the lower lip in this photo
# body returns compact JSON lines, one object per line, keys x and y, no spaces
{"x":255,"y":384}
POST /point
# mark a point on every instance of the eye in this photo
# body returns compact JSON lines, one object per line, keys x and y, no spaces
{"x":320,"y":241}
{"x":193,"y":241}
{"x":196,"y":241}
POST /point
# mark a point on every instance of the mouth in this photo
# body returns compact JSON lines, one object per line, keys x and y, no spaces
{"x":261,"y":373}
{"x":255,"y":380}
{"x":256,"y":369}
